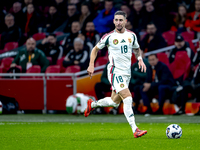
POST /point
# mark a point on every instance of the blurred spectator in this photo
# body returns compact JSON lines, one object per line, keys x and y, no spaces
{"x":51,"y":47}
{"x":129,"y":17}
{"x":104,"y":21}
{"x":103,"y":86}
{"x":18,"y":14}
{"x":33,"y":21}
{"x":85,"y":15}
{"x":193,"y":19}
{"x":137,"y":80}
{"x":91,"y":34}
{"x":87,"y":44}
{"x":179,"y":20}
{"x":77,"y":56}
{"x":152,"y":16}
{"x":153,"y":40}
{"x":30,"y":56}
{"x":96,"y":6}
{"x":138,"y":15}
{"x":61,"y":6}
{"x":54,"y":19}
{"x":68,"y":41}
{"x":72,"y":15}
{"x":159,"y":81}
{"x":12,"y":32}
{"x":26,"y":2}
{"x":180,"y":45}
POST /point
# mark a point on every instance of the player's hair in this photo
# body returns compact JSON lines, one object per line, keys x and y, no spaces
{"x":121,"y":13}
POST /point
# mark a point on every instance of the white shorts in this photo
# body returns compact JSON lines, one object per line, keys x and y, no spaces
{"x":118,"y":82}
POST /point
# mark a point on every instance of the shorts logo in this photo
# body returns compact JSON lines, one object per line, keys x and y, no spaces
{"x":122,"y":85}
{"x":115,"y":41}
{"x":129,"y":39}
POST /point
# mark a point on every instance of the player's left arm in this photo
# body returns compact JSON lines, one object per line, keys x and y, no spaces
{"x":141,"y":64}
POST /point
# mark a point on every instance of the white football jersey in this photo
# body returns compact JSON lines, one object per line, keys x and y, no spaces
{"x":120,"y":47}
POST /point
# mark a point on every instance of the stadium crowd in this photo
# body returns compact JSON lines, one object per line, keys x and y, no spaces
{"x":156,"y":23}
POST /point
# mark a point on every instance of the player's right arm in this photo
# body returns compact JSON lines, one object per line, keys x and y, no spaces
{"x":93,"y":56}
{"x":101,"y":44}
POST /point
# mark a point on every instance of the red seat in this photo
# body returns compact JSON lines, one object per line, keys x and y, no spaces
{"x":10,"y":45}
{"x":1,"y":70}
{"x":133,"y":59}
{"x":6,"y":62}
{"x":34,"y":69}
{"x":53,"y":69}
{"x":73,"y":69}
{"x":101,"y":61}
{"x":57,"y":33}
{"x":39,"y":36}
{"x":181,"y":65}
{"x":188,"y":35}
{"x":163,"y":58}
{"x":169,"y":37}
{"x":192,"y":46}
{"x":60,"y":62}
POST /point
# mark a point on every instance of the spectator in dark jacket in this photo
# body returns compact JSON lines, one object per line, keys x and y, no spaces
{"x":153,"y":40}
{"x":18,"y":14}
{"x":159,"y":81}
{"x":91,"y":34}
{"x":51,"y":48}
{"x":54,"y":19}
{"x":30,"y":56}
{"x":68,"y":41}
{"x":33,"y":21}
{"x":77,"y":56}
{"x":61,"y":6}
{"x":104,"y":21}
{"x":12,"y":32}
{"x":72,"y":15}
{"x":180,"y":45}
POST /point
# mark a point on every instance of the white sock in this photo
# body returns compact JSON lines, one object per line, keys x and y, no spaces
{"x":128,"y":112}
{"x":105,"y":102}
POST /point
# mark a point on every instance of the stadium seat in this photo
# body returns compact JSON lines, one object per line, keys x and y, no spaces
{"x":6,"y":62}
{"x":188,"y":35}
{"x":192,"y":46}
{"x":34,"y":69}
{"x":1,"y":70}
{"x":73,"y":69}
{"x":10,"y":45}
{"x":133,"y":59}
{"x":169,"y":37}
{"x":39,"y":36}
{"x":57,"y":33}
{"x":60,"y":62}
{"x":53,"y":69}
{"x":181,"y":65}
{"x":163,"y":58}
{"x":50,"y":60}
{"x":101,"y":61}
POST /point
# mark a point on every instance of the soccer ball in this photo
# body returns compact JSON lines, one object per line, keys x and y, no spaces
{"x":174,"y":131}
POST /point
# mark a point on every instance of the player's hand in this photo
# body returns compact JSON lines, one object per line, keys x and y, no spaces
{"x":142,"y":65}
{"x":90,"y":70}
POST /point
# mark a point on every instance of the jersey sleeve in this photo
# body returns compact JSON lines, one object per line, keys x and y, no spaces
{"x":103,"y":42}
{"x":135,"y":42}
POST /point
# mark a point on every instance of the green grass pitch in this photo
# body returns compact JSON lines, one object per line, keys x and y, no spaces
{"x":95,"y":132}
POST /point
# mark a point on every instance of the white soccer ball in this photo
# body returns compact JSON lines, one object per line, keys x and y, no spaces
{"x":174,"y":131}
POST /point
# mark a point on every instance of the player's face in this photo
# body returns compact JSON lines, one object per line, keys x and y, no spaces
{"x":119,"y":22}
{"x":153,"y":60}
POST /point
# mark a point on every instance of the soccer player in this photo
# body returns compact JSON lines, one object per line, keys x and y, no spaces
{"x":120,"y":43}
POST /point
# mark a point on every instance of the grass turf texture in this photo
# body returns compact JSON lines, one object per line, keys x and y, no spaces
{"x":96,"y":135}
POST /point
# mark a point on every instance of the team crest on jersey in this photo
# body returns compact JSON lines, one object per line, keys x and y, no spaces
{"x":122,"y":85}
{"x":129,"y":39}
{"x":115,"y":41}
